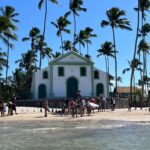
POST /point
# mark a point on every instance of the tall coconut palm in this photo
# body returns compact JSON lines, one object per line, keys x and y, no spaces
{"x":133,"y":65}
{"x":144,"y":48}
{"x":45,"y":51}
{"x":75,"y":7}
{"x":61,"y":24}
{"x":33,"y":35}
{"x":115,"y":19}
{"x":40,"y":4}
{"x":144,"y":32}
{"x":88,"y":35}
{"x":144,"y":7}
{"x":107,"y":50}
{"x":135,"y":46}
{"x":10,"y":14}
{"x":27,"y":62}
{"x":80,"y":39}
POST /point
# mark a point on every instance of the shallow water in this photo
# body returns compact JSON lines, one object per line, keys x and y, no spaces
{"x":83,"y":135}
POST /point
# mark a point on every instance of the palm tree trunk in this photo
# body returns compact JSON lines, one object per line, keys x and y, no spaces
{"x":40,"y":63}
{"x":108,"y":74}
{"x":45,"y":19}
{"x":142,"y":76}
{"x":135,"y":48}
{"x":146,"y":73}
{"x":7,"y":65}
{"x":141,"y":81}
{"x":106,"y":63}
{"x":44,"y":30}
{"x":62,"y":43}
{"x":114,"y":41}
{"x":74,"y":17}
{"x":87,"y":48}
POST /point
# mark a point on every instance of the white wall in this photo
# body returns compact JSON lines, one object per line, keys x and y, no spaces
{"x":59,"y":83}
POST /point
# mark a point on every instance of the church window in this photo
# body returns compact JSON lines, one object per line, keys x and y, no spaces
{"x":96,"y":75}
{"x":61,"y":71}
{"x":83,"y":71}
{"x":45,"y":75}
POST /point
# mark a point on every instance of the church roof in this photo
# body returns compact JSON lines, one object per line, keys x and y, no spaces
{"x":84,"y":59}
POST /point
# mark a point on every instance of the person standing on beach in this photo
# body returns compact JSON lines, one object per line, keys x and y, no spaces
{"x":46,"y":107}
{"x":103,"y":103}
{"x":2,"y":108}
{"x":10,"y":110}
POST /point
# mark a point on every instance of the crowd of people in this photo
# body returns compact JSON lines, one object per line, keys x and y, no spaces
{"x":75,"y":107}
{"x":11,"y":108}
{"x":80,"y":106}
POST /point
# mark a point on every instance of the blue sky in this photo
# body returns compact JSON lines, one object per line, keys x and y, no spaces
{"x":30,"y":16}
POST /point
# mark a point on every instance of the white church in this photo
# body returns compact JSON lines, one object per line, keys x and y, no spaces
{"x":66,"y":75}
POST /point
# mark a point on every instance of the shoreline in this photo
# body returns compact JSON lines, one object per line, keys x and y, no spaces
{"x":34,"y":114}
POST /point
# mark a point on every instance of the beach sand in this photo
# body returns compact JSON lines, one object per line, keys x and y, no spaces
{"x":34,"y":114}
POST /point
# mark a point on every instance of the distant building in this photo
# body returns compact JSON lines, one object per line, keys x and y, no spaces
{"x":124,"y":91}
{"x":66,"y":75}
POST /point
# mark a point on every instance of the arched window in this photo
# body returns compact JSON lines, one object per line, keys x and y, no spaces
{"x":42,"y":91}
{"x":96,"y":74}
{"x":45,"y":75}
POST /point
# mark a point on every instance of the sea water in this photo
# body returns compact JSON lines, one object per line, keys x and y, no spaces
{"x":74,"y":135}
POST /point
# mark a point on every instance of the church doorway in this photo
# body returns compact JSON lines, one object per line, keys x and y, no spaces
{"x":72,"y":87}
{"x":99,"y":89}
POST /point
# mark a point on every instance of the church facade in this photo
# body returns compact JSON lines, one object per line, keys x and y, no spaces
{"x":66,"y":75}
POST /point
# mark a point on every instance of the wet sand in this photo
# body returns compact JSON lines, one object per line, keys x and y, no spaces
{"x":34,"y":114}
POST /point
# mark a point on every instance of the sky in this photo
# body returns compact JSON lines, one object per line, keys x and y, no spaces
{"x":30,"y":16}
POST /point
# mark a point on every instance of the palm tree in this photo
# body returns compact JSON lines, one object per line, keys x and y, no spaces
{"x":133,"y":65}
{"x":47,"y":51}
{"x":135,"y":46}
{"x":40,"y":4}
{"x":116,"y":20}
{"x":75,"y":7}
{"x":61,"y":24}
{"x":119,"y":79}
{"x":144,"y":5}
{"x":27,"y":62}
{"x":3,"y":61}
{"x":107,"y":51}
{"x":10,"y":14}
{"x":5,"y":31}
{"x":144,"y":48}
{"x":67,"y":45}
{"x":33,"y":35}
{"x":80,"y":39}
{"x":57,"y":54}
{"x":88,"y":34}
